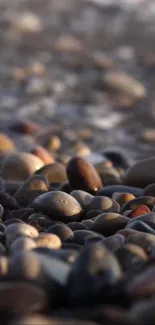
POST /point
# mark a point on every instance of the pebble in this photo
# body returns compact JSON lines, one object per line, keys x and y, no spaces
{"x":48,"y":240}
{"x":124,"y":83}
{"x":82,"y":197}
{"x":25,"y":127}
{"x":47,"y":272}
{"x":111,"y":189}
{"x":83,"y":176}
{"x":130,"y":255}
{"x":30,"y":189}
{"x":122,"y":198}
{"x":104,"y":204}
{"x":7,"y":145}
{"x":43,"y":154}
{"x":19,"y":167}
{"x":58,"y":205}
{"x":95,"y":269}
{"x":55,"y":173}
{"x":19,"y":229}
{"x":149,"y":190}
{"x":23,"y":243}
{"x":33,"y":300}
{"x":141,"y":174}
{"x":62,"y":231}
{"x":141,"y":210}
{"x":149,"y":201}
{"x":108,"y":224}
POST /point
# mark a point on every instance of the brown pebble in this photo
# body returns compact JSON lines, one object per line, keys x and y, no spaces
{"x":6,"y":143}
{"x":43,"y":154}
{"x":55,"y":173}
{"x":122,"y":198}
{"x":139,"y":211}
{"x":31,"y":188}
{"x":20,"y":166}
{"x":83,"y":175}
{"x":25,"y":127}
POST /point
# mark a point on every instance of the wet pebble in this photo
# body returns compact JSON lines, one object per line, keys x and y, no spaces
{"x":48,"y":240}
{"x":108,"y":224}
{"x":19,"y":229}
{"x":55,"y":173}
{"x":130,"y":255}
{"x":111,"y":189}
{"x":31,"y":188}
{"x":141,"y":174}
{"x":104,"y":204}
{"x":82,"y":197}
{"x":62,"y":231}
{"x":95,"y":269}
{"x":20,"y":166}
{"x":83,"y":176}
{"x":59,"y":206}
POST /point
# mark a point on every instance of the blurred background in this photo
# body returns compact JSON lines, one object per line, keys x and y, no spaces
{"x":84,"y":69}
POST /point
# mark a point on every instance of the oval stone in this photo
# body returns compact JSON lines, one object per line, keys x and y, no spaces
{"x":141,"y":174}
{"x":83,"y":176}
{"x":20,"y":166}
{"x":104,"y":204}
{"x":58,"y":205}
{"x":19,"y":229}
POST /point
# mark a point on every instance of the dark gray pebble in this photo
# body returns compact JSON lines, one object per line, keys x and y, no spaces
{"x":59,"y":206}
{"x":108,"y":224}
{"x":62,"y":231}
{"x":111,"y":189}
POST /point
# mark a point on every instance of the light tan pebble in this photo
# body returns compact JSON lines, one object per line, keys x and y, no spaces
{"x":124,"y":83}
{"x":48,"y":240}
{"x":19,"y":229}
{"x":4,"y":265}
{"x":20,"y":166}
{"x":54,"y":143}
{"x":67,"y":43}
{"x":27,"y":22}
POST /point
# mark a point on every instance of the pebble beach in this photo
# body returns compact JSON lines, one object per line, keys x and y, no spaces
{"x":77,"y":162}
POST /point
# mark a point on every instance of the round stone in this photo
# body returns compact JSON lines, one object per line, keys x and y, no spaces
{"x":58,"y":205}
{"x":82,"y":197}
{"x":48,"y":240}
{"x":20,"y":166}
{"x":12,"y":298}
{"x":22,"y":244}
{"x":31,"y":188}
{"x":108,"y":224}
{"x":43,"y":154}
{"x":61,"y":230}
{"x":83,"y":176}
{"x":19,"y":229}
{"x":6,"y":143}
{"x":54,"y":173}
{"x":141,"y":174}
{"x":104,"y":204}
{"x":111,"y":189}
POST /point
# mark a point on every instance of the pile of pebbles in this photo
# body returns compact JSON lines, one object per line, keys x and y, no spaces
{"x":77,"y":239}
